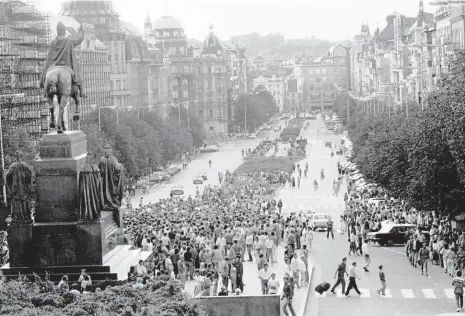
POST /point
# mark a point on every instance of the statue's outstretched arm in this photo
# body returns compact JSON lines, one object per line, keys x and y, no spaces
{"x":78,"y":40}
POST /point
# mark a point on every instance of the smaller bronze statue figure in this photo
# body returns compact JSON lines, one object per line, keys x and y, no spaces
{"x":19,"y":183}
{"x":112,"y":183}
{"x":90,"y":191}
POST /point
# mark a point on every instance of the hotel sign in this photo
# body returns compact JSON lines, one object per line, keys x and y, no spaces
{"x":442,"y":15}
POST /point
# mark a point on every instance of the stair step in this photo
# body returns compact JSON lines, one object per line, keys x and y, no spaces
{"x":56,"y":270}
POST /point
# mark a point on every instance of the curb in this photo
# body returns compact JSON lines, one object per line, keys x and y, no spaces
{"x":301,"y":310}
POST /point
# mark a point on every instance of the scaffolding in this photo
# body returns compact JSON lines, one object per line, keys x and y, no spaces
{"x":24,"y":38}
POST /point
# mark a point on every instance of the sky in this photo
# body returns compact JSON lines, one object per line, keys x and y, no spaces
{"x":333,"y":20}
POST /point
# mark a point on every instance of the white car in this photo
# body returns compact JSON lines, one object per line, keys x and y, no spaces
{"x":177,"y":190}
{"x":198,"y":180}
{"x":377,"y":201}
{"x":253,"y":136}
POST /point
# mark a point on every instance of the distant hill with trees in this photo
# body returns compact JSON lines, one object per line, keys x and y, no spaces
{"x":275,"y":45}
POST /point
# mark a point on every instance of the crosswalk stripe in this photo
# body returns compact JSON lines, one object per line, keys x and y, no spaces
{"x":388,"y":294}
{"x":365,"y":293}
{"x":407,"y":293}
{"x":429,"y":293}
{"x":449,"y":293}
{"x":339,"y":293}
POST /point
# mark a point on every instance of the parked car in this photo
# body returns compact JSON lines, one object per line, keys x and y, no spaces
{"x":155,"y":178}
{"x":177,"y":190}
{"x":204,"y":176}
{"x":198,"y":180}
{"x":390,"y":234}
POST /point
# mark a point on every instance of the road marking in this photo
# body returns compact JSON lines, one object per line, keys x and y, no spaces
{"x":326,"y":206}
{"x":399,"y":252}
{"x":428,"y":293}
{"x":339,"y":293}
{"x":388,"y":294}
{"x":365,"y":293}
{"x":449,"y":293}
{"x":407,"y":293}
{"x":320,"y":295}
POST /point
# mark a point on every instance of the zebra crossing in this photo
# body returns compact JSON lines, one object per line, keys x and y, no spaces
{"x":295,"y":206}
{"x":393,"y":294}
{"x":332,"y":198}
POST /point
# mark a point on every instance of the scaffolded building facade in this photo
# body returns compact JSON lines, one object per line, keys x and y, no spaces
{"x":24,"y":38}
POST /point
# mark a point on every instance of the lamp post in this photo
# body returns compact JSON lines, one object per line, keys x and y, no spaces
{"x":2,"y":155}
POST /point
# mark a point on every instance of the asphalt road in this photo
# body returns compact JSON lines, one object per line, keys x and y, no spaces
{"x":409,"y":293}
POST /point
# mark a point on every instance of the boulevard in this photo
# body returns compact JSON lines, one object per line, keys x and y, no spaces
{"x":408,"y":292}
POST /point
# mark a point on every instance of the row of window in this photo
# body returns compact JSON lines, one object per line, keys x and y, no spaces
{"x":322,"y":71}
{"x":92,"y":57}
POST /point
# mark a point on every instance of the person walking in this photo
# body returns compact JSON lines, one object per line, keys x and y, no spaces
{"x":458,"y":283}
{"x":382,"y":279}
{"x":340,"y":271}
{"x":329,"y":227}
{"x":264,"y":275}
{"x":424,"y":257}
{"x":288,"y":294}
{"x":352,"y":279}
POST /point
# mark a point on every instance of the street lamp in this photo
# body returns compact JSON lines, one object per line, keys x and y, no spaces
{"x":17,"y":95}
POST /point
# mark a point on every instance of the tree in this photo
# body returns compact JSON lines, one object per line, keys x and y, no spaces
{"x":260,"y":107}
{"x":419,"y":157}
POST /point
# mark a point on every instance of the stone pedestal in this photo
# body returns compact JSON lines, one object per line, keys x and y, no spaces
{"x":58,"y":242}
{"x":62,"y":156}
{"x":20,"y":245}
{"x":58,"y":237}
{"x":68,"y":244}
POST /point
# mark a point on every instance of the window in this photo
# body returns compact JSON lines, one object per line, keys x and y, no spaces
{"x":186,"y":94}
{"x":209,"y":84}
{"x":185,"y":82}
{"x":210,"y":113}
{"x":199,"y":84}
{"x":174,"y":69}
{"x":200,"y":112}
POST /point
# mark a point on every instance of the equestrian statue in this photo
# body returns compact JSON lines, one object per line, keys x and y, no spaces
{"x":61,"y":76}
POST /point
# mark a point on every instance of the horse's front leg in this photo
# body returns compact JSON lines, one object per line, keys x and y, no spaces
{"x":51,"y":107}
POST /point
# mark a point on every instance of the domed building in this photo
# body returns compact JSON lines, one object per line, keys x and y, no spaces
{"x":214,"y":85}
{"x":212,"y":44}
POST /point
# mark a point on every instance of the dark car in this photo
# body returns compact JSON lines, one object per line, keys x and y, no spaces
{"x":390,"y":234}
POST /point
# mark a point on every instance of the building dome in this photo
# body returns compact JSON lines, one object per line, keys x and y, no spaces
{"x":167,"y":22}
{"x":211,"y":44}
{"x":211,"y":41}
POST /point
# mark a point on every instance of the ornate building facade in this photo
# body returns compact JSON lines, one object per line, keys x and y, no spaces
{"x":213,"y":84}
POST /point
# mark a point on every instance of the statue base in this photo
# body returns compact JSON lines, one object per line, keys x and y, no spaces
{"x":58,"y":241}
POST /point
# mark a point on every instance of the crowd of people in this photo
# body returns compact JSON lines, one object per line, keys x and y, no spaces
{"x":262,"y":149}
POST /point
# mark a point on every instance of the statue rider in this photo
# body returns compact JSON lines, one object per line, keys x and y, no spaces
{"x":61,"y":53}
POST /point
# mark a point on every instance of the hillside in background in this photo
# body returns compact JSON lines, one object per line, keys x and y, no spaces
{"x":278,"y":47}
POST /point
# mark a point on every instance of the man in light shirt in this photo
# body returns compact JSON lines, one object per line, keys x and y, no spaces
{"x":264,"y":275}
{"x":249,"y":243}
{"x":273,"y":284}
{"x":352,"y":276}
{"x":295,"y":268}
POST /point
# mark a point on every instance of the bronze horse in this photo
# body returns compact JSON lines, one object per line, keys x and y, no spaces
{"x":59,"y":82}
